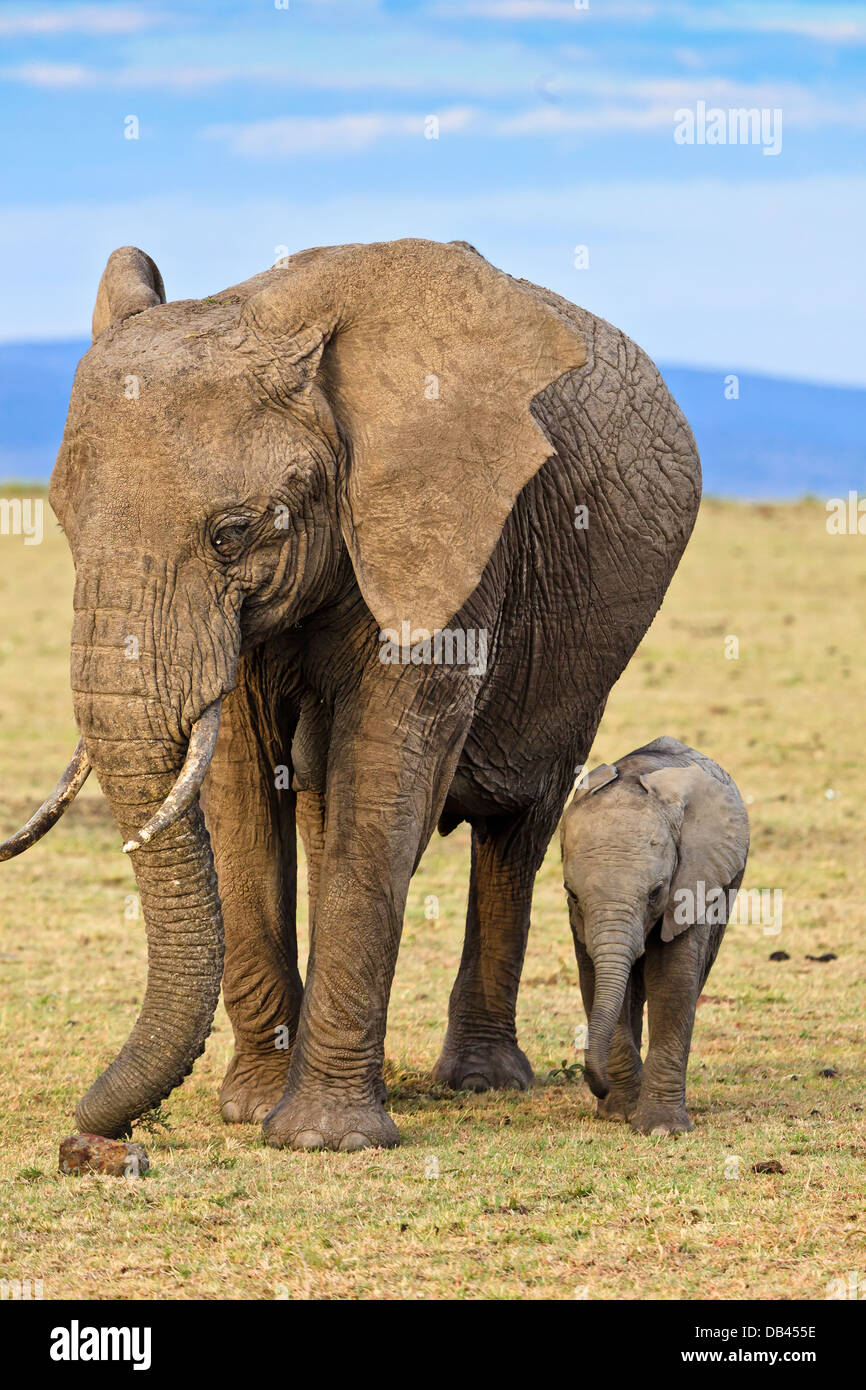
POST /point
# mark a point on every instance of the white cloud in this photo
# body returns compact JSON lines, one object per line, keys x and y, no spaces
{"x":78,"y":19}
{"x":295,"y":135}
{"x":330,"y":78}
{"x":833,"y":24}
{"x":611,"y":101}
{"x":49,"y":74}
{"x":840,"y":31}
{"x":68,"y":74}
{"x":649,"y":105}
{"x":554,"y":120}
{"x":513,"y":9}
{"x":636,"y":104}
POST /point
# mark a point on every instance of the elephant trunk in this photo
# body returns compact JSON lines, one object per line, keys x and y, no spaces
{"x":614,"y":943}
{"x":181,"y":907}
{"x":149,"y":726}
{"x":179,"y":899}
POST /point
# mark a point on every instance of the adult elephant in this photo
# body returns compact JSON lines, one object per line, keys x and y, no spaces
{"x":271,"y":497}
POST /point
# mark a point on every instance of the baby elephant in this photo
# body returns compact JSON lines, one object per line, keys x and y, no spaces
{"x":653,"y":852}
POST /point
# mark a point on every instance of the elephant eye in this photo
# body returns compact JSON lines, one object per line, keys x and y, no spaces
{"x":228,"y":536}
{"x":655,"y":893}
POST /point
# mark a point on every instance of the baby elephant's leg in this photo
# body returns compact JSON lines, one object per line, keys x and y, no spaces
{"x":624,"y":1063}
{"x":674,"y":974}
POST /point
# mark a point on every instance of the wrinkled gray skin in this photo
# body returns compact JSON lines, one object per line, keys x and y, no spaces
{"x":635,"y":835}
{"x":167,"y":504}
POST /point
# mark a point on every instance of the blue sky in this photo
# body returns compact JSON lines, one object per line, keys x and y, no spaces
{"x":262,"y":128}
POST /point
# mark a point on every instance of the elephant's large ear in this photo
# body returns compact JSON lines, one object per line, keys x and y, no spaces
{"x":713,"y":841}
{"x":432,"y":361}
{"x":594,"y":781}
{"x":130,"y":282}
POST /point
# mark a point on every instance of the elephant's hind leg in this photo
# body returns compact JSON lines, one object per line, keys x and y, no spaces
{"x":480,"y":1051}
{"x":250,"y":814}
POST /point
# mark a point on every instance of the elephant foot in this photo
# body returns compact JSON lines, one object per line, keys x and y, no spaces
{"x":655,"y":1117}
{"x":319,"y":1120}
{"x":618,"y":1106}
{"x":252,"y":1086}
{"x":484,"y":1066}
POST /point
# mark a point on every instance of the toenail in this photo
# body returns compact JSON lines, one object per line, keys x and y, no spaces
{"x":231,"y":1113}
{"x":354,"y":1140}
{"x":309,"y":1139}
{"x":475,"y":1082}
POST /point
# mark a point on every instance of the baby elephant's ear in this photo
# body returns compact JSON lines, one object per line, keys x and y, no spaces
{"x":594,"y":781}
{"x":432,"y":361}
{"x":713,"y":842}
{"x":130,"y":283}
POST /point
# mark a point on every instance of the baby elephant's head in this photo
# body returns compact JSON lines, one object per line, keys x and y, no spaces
{"x":659,"y":849}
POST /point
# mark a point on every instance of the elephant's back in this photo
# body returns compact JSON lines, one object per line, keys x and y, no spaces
{"x":621,"y":400}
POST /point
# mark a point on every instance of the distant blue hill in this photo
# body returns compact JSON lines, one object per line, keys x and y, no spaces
{"x":35,"y":381}
{"x":779,"y":439}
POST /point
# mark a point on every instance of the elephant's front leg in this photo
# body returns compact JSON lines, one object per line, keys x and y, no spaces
{"x":480,"y":1051}
{"x":249,"y":809}
{"x":674,"y":974}
{"x":388,"y":774}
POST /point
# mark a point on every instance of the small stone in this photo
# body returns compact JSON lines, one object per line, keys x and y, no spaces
{"x":779,"y":955}
{"x":92,"y":1153}
{"x":769,"y":1165}
{"x":828,"y":1073}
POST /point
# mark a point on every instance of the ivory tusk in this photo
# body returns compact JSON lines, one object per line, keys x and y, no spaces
{"x":202,"y":742}
{"x":52,"y":808}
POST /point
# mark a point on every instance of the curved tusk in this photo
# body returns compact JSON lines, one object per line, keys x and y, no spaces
{"x":202,"y":742}
{"x":52,"y":808}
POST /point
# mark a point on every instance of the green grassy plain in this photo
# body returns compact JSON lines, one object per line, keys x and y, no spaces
{"x":534,"y":1197}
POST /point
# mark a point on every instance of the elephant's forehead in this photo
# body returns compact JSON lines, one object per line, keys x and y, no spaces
{"x":167,"y":421}
{"x":188,"y":373}
{"x":617,"y":819}
{"x":170,"y":355}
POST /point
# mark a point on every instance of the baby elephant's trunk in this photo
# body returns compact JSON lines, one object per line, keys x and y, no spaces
{"x":614,"y":949}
